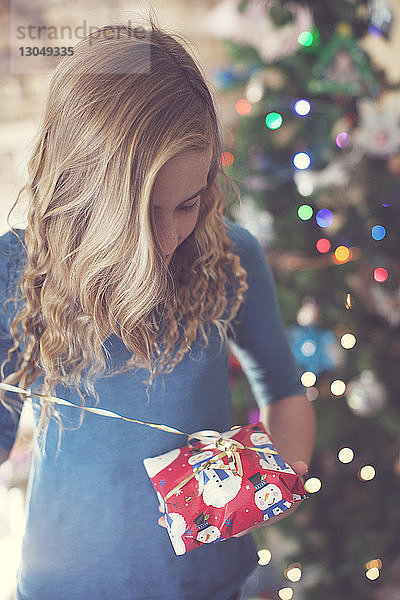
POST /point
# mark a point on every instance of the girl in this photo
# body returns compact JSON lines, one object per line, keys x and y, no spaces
{"x":128,"y":283}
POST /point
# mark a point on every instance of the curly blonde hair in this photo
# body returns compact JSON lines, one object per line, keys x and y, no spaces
{"x":117,"y":109}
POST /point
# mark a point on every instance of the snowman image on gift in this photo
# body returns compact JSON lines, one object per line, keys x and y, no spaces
{"x":268,"y":460}
{"x":176,"y":525}
{"x":268,"y":497}
{"x":220,"y":485}
{"x":206,"y":533}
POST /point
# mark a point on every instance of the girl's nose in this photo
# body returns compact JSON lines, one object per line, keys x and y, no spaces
{"x":168,"y":236}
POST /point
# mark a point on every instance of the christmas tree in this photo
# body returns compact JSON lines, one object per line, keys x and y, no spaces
{"x":315,"y":153}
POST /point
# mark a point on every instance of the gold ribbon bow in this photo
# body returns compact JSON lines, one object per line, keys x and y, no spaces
{"x":213,"y":439}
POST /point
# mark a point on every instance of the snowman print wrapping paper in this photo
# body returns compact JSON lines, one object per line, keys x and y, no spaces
{"x":217,"y":501}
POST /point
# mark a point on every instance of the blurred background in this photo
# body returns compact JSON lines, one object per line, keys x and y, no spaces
{"x":308,"y":96}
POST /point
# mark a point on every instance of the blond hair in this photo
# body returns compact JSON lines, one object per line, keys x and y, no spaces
{"x":93,"y":263}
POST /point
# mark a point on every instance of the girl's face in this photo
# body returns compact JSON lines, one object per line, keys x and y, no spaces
{"x":176,"y":197}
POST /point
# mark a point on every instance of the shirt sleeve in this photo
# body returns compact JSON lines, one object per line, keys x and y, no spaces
{"x":260,"y":341}
{"x":8,"y":276}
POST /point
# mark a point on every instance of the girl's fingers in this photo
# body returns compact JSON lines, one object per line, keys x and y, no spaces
{"x":299,"y":467}
{"x":160,"y":508}
{"x":162,"y":522}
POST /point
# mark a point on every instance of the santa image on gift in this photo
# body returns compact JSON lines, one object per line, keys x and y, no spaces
{"x":268,"y":497}
{"x":219,"y":485}
{"x":206,"y":533}
{"x":269,"y":458}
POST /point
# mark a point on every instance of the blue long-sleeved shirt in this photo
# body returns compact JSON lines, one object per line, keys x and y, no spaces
{"x":92,"y":528}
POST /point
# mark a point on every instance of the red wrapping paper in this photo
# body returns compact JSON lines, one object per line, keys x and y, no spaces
{"x":218,"y":503}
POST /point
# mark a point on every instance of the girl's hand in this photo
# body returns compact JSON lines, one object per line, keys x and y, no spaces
{"x":299,"y":467}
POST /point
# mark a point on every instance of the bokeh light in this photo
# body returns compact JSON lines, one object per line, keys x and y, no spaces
{"x":312,"y":393}
{"x":293,"y":572}
{"x":378,"y":232}
{"x":324,"y":217}
{"x":375,"y":562}
{"x":372,"y":573}
{"x":305,"y":38}
{"x":323,"y":245}
{"x":342,"y":254}
{"x":243,"y":106}
{"x":338,"y":387}
{"x":301,"y":160}
{"x":264,"y":556}
{"x":380,"y":274}
{"x":227,"y":159}
{"x":348,"y":340}
{"x":312,"y":485}
{"x":305,"y":212}
{"x":309,"y":348}
{"x":302,"y":107}
{"x":343,"y":139}
{"x":345,"y":455}
{"x":366,"y":473}
{"x":308,"y":378}
{"x":273,"y":120}
{"x":285,"y":593}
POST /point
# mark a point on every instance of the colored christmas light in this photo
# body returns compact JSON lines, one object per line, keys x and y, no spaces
{"x":301,"y":160}
{"x":305,"y":38}
{"x":380,"y":274}
{"x":227,"y":159}
{"x":342,"y":254}
{"x":378,"y":232}
{"x":324,"y":217}
{"x":243,"y":106}
{"x":273,"y":120}
{"x":342,"y":139}
{"x":305,"y":212}
{"x":302,"y":107}
{"x":323,"y":245}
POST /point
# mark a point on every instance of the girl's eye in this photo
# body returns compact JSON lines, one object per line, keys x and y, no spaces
{"x":189,"y":208}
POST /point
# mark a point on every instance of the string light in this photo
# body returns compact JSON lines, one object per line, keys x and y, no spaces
{"x":342,"y":255}
{"x":305,"y":212}
{"x":342,"y":139}
{"x":285,"y":593}
{"x":375,"y":562}
{"x":313,"y":485}
{"x":312,"y":393}
{"x":308,"y":378}
{"x":302,"y":107}
{"x":301,"y":160}
{"x":372,"y":573}
{"x":273,"y":120}
{"x":324,"y":217}
{"x":380,"y":274}
{"x":348,"y":341}
{"x":227,"y":159}
{"x":243,"y":106}
{"x":345,"y":455}
{"x":366,"y":473}
{"x":338,"y":387}
{"x":264,"y":556}
{"x":305,"y":38}
{"x":305,"y":186}
{"x":378,"y":232}
{"x":348,"y":302}
{"x":293,"y":572}
{"x":323,"y":245}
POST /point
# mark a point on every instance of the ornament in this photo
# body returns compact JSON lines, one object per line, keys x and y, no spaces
{"x":315,"y":349}
{"x":378,"y":134}
{"x":251,"y":23}
{"x":365,"y":395}
{"x":343,"y":68}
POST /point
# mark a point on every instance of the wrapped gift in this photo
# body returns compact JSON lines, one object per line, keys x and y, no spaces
{"x":219,"y":485}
